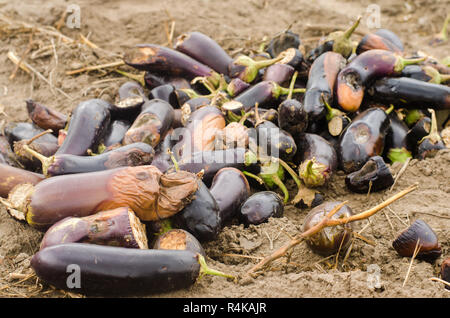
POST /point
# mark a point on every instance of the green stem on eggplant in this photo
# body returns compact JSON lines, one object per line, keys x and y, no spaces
{"x":434,"y":133}
{"x":46,"y":161}
{"x":413,"y":116}
{"x":402,"y":62}
{"x":291,"y":85}
{"x":348,"y":33}
{"x":205,"y":270}
{"x":390,"y":109}
{"x":282,"y":187}
{"x":331,"y":112}
{"x":251,"y":175}
{"x":245,"y":116}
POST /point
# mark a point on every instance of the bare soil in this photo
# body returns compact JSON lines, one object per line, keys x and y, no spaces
{"x":237,"y":25}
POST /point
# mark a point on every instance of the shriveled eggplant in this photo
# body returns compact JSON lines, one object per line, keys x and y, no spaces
{"x":45,"y":117}
{"x":374,"y":176}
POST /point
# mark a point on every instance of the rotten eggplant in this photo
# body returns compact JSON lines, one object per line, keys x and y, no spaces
{"x":374,"y":176}
{"x":178,"y":239}
{"x":45,"y":117}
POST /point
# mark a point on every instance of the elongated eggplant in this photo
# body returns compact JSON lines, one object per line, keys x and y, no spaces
{"x":230,"y":189}
{"x":149,"y":193}
{"x":278,"y":73}
{"x":430,"y":144}
{"x":339,"y":42}
{"x":330,"y":239}
{"x":396,"y":145}
{"x":282,"y":42}
{"x":116,"y":132}
{"x":317,"y":159}
{"x":160,"y":59}
{"x":87,"y":126}
{"x":363,"y":138}
{"x":117,"y":227}
{"x":110,"y":270}
{"x":374,"y":176}
{"x":359,"y":74}
{"x":261,"y":206}
{"x":201,"y":217}
{"x":320,"y":85}
{"x":153,"y":80}
{"x":382,"y":39}
{"x":12,"y":176}
{"x":24,"y":131}
{"x":135,"y":154}
{"x":411,"y":93}
{"x":205,"y":50}
{"x":154,"y":120}
{"x":178,"y":239}
{"x":45,"y":117}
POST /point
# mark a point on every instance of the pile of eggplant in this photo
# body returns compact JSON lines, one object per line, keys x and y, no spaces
{"x":130,"y":190}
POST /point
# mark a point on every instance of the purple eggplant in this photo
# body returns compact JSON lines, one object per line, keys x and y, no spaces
{"x":430,"y":144}
{"x":166,"y":93}
{"x":87,"y":126}
{"x":363,"y":138}
{"x":396,"y":145}
{"x":29,"y":161}
{"x":294,"y":58}
{"x":117,"y":227}
{"x":116,"y":132}
{"x":261,"y":206}
{"x":425,"y":73}
{"x":278,"y":73}
{"x":417,"y":132}
{"x":282,"y":42}
{"x":364,"y":69}
{"x":230,"y":189}
{"x":153,"y":80}
{"x":382,"y":39}
{"x":178,"y":239}
{"x":236,"y":86}
{"x":7,"y":155}
{"x":247,"y":69}
{"x":45,"y":117}
{"x":374,"y":176}
{"x":12,"y":176}
{"x":162,"y":159}
{"x":152,"y":123}
{"x":202,"y":48}
{"x":24,"y":131}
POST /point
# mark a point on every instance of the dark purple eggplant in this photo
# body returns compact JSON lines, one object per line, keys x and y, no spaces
{"x":116,"y":132}
{"x":374,"y":176}
{"x":87,"y":126}
{"x":110,"y":270}
{"x":247,"y":69}
{"x":425,"y":73}
{"x":317,"y":159}
{"x":396,"y":147}
{"x":160,"y":59}
{"x":359,"y":74}
{"x":268,"y":114}
{"x":421,"y":234}
{"x":331,"y":239}
{"x":382,"y":39}
{"x":294,"y":58}
{"x":261,"y":206}
{"x":130,"y":89}
{"x":432,"y":143}
{"x":117,"y":227}
{"x":230,"y":189}
{"x":201,"y":217}
{"x":166,"y":93}
{"x":363,"y":138}
{"x":24,"y":131}
{"x":337,"y":120}
{"x":320,"y":85}
{"x":421,"y":129}
{"x":162,"y":159}
{"x":282,"y":42}
{"x":202,"y":48}
{"x":153,"y":80}
{"x":127,"y":108}
{"x":338,"y":42}
{"x":236,"y":86}
{"x":7,"y":155}
{"x":152,"y":123}
{"x":278,"y":73}
{"x":178,"y":239}
{"x":44,"y":117}
{"x":131,"y":155}
{"x":410,"y":93}
{"x":12,"y":176}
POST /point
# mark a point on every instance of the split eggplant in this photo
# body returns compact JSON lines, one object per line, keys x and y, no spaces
{"x":374,"y":176}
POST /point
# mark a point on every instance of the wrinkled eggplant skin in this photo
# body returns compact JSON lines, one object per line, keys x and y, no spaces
{"x":178,"y":239}
{"x":153,"y":122}
{"x":261,"y":206}
{"x":321,"y":80}
{"x":44,"y":117}
{"x":202,"y":48}
{"x":292,"y":117}
{"x":363,"y":138}
{"x":390,"y":36}
{"x":406,"y":241}
{"x":116,"y":132}
{"x":162,"y":159}
{"x":12,"y":176}
{"x":315,"y":146}
{"x":136,"y":154}
{"x":87,"y":126}
{"x":153,"y":80}
{"x":201,"y":217}
{"x":278,"y":73}
{"x":230,"y":189}
{"x":282,"y":42}
{"x":376,"y":178}
{"x":411,"y":93}
{"x":166,"y":93}
{"x":23,"y":131}
{"x":108,"y":270}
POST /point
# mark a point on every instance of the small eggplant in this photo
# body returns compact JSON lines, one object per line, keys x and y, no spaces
{"x":24,"y":131}
{"x":331,"y":239}
{"x":116,"y":132}
{"x":130,"y":89}
{"x":152,"y":123}
{"x":12,"y":176}
{"x":178,"y":239}
{"x":44,"y":117}
{"x":247,"y":69}
{"x":230,"y":189}
{"x":396,"y":145}
{"x":421,"y":234}
{"x":318,"y":160}
{"x":421,"y":129}
{"x":363,"y":138}
{"x":110,"y":270}
{"x":201,"y":217}
{"x":160,"y":59}
{"x":236,"y":86}
{"x":202,"y":48}
{"x":338,"y":42}
{"x":430,"y":144}
{"x":382,"y":39}
{"x":411,"y":93}
{"x":261,"y":206}
{"x":278,"y":73}
{"x":131,"y":155}
{"x":282,"y":42}
{"x":294,"y":58}
{"x":374,"y":176}
{"x":445,"y":271}
{"x":87,"y":126}
{"x":149,"y":193}
{"x":362,"y":71}
{"x":320,"y":85}
{"x":117,"y":227}
{"x":153,"y":80}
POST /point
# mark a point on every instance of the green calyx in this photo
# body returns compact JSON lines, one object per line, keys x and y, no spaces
{"x":413,"y":116}
{"x":252,"y":67}
{"x":342,"y":42}
{"x":313,"y":173}
{"x":398,"y":155}
{"x":402,"y":62}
